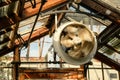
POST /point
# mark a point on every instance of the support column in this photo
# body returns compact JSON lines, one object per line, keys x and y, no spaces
{"x":119,"y":74}
{"x":16,"y":60}
{"x":21,"y":76}
{"x":83,"y":73}
{"x":103,"y":78}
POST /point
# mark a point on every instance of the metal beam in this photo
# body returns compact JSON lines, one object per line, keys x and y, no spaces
{"x":108,"y":6}
{"x":101,"y":9}
{"x":108,"y":33}
{"x":49,"y":5}
{"x":50,"y":62}
{"x":113,"y":64}
{"x":112,"y":48}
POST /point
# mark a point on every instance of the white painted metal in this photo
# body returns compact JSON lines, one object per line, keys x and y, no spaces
{"x":65,"y":56}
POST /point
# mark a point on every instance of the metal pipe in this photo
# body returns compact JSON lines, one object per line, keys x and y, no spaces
{"x":50,"y":62}
{"x":102,"y":71}
{"x":99,"y":68}
{"x":55,"y":55}
{"x":88,"y":73}
{"x":70,"y":11}
{"x":56,"y":22}
{"x":5,"y":67}
{"x":119,"y":75}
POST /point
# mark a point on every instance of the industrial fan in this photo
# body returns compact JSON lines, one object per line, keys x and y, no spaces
{"x":75,"y":43}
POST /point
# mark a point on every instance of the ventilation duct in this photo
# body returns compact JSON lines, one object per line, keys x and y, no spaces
{"x":75,"y":43}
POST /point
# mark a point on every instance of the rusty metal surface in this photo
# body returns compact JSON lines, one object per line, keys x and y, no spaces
{"x":54,"y":70}
{"x":63,"y":76}
{"x":55,"y":73}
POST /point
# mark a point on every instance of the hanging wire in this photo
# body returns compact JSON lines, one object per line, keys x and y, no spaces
{"x":33,"y":3}
{"x":39,"y":12}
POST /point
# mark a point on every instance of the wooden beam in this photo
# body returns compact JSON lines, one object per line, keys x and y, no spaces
{"x":59,"y":70}
{"x":29,"y":12}
{"x":5,"y":31}
{"x":50,"y":4}
{"x":21,"y":76}
{"x":6,"y":39}
{"x":62,"y":76}
{"x":21,"y":7}
{"x":36,"y":34}
{"x":13,"y":35}
{"x":64,"y":73}
{"x":5,"y":50}
{"x":5,"y":21}
{"x":7,"y":2}
{"x":16,"y":58}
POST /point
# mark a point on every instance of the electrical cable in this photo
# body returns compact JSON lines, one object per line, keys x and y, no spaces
{"x":42,"y":3}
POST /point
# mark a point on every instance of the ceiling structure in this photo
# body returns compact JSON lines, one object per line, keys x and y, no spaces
{"x":15,"y":15}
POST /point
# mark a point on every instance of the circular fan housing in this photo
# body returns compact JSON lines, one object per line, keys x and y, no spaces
{"x":75,"y":43}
